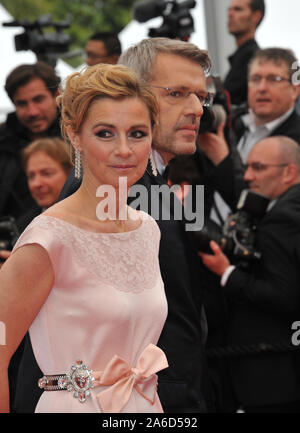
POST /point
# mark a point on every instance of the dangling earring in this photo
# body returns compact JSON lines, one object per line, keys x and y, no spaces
{"x":77,"y":173}
{"x":152,"y":163}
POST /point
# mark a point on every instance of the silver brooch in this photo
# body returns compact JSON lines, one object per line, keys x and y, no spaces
{"x":80,"y":380}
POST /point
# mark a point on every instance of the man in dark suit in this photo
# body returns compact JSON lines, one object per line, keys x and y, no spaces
{"x":176,"y":72}
{"x":271,"y":99}
{"x":264,"y":300}
{"x":244,"y":16}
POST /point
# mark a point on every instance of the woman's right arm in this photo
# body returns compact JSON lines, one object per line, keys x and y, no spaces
{"x":26,"y":279}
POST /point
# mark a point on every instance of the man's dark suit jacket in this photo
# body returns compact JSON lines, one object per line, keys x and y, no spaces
{"x":182,"y":386}
{"x":236,"y":81}
{"x":227,"y":177}
{"x":264,"y":303}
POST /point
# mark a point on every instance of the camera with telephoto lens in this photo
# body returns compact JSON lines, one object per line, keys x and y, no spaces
{"x":47,"y":47}
{"x":220,"y":112}
{"x":177,"y":20}
{"x":237,"y":237}
{"x":9,"y":233}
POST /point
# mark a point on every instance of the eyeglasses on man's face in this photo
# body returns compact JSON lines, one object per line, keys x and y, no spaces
{"x":258,"y":166}
{"x":271,"y":80}
{"x":95,"y":56}
{"x":178,"y":95}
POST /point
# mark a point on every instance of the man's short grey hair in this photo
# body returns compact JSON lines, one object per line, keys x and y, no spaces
{"x":289,"y":150}
{"x":142,"y":56}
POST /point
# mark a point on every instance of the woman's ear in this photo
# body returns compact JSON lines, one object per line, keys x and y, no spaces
{"x":73,"y":137}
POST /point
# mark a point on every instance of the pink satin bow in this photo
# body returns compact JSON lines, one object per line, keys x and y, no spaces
{"x":121,"y":379}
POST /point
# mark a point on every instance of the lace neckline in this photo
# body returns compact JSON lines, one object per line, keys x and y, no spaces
{"x":127,"y":261}
{"x":89,"y":231}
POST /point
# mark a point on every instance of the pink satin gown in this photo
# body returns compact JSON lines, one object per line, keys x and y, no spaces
{"x":107,"y":308}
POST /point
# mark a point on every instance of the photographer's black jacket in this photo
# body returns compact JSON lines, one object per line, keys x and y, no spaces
{"x":264,"y":302}
{"x":227,"y":177}
{"x":15,"y":198}
{"x":236,"y":80}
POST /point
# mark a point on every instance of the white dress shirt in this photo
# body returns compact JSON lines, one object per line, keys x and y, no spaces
{"x":252,"y":135}
{"x":159,"y":162}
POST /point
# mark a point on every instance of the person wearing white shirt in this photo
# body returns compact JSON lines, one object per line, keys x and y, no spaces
{"x":271,"y":99}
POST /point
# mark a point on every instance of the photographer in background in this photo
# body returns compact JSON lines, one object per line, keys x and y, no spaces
{"x":265,"y":300}
{"x":32,"y":89}
{"x":103,"y":47}
{"x":271,"y":100}
{"x":244,"y":16}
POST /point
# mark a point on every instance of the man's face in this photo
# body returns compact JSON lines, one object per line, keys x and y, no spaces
{"x":179,"y":119}
{"x":96,"y":53}
{"x":46,"y":177}
{"x":266,"y":169}
{"x":35,"y":106}
{"x":241,"y":19}
{"x":270,"y":100}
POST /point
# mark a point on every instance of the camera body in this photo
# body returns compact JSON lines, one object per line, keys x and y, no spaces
{"x":237,"y":237}
{"x":8,"y":233}
{"x":47,"y":47}
{"x":177,"y":20}
{"x":220,"y":112}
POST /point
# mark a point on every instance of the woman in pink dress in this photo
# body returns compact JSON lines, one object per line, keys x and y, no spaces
{"x":84,"y":276}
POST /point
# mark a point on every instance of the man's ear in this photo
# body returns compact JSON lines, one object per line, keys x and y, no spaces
{"x":256,"y":17}
{"x":295,"y":92}
{"x":114,"y":59}
{"x":291,"y":173}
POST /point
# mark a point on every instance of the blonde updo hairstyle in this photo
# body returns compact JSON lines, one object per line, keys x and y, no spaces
{"x":97,"y":82}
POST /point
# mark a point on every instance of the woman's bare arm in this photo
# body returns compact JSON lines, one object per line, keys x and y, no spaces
{"x":26,"y":279}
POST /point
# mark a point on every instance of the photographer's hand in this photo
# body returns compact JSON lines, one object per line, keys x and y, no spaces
{"x":216,"y":262}
{"x":214,"y":145}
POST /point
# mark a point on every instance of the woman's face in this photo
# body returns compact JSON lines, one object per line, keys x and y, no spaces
{"x":46,"y":178}
{"x":115,"y":141}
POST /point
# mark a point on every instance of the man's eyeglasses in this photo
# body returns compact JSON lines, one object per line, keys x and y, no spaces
{"x":271,"y":80}
{"x":95,"y":56}
{"x":177,"y":95}
{"x":258,"y":166}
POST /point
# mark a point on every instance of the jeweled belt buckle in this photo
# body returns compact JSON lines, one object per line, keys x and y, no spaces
{"x":80,"y":380}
